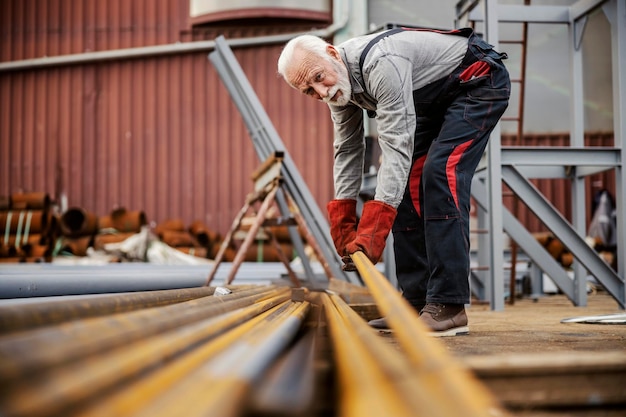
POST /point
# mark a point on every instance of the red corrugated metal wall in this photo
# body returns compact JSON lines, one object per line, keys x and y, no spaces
{"x":158,"y":134}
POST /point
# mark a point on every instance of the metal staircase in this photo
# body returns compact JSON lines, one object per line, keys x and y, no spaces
{"x":515,"y":166}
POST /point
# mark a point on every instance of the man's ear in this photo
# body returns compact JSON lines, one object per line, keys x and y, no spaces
{"x":333,"y":52}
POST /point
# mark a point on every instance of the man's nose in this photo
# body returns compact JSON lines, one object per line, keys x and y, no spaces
{"x":320,"y":90}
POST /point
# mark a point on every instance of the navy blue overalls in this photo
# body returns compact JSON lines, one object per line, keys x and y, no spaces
{"x":455,"y":117}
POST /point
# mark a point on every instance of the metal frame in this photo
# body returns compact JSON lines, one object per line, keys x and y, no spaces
{"x":515,"y":166}
{"x":266,"y":142}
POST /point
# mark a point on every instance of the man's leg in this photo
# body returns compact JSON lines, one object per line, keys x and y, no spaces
{"x":409,"y":244}
{"x":448,"y":172}
{"x":412,"y":270}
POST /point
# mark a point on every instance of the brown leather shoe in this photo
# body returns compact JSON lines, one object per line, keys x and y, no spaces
{"x":445,"y":319}
{"x":380,"y":323}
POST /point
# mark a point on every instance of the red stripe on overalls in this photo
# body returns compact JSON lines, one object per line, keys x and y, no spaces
{"x":415,"y":180}
{"x":453,"y":161}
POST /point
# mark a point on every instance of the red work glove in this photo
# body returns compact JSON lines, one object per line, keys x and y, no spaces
{"x":342,"y":215}
{"x":374,"y":227}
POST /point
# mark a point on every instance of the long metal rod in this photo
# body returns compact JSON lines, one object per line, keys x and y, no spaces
{"x":28,"y":352}
{"x":24,"y":317}
{"x":364,"y":388}
{"x":127,"y":400}
{"x":28,"y":283}
{"x":449,"y":380}
{"x":52,"y":392}
{"x":367,"y":364}
{"x":219,"y":386}
{"x":289,"y":387}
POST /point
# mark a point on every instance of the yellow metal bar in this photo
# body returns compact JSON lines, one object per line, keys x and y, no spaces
{"x":131,"y":399}
{"x":59,"y":389}
{"x":447,"y":379}
{"x":218,"y":387}
{"x":365,"y":389}
{"x":407,"y":380}
{"x":30,"y":352}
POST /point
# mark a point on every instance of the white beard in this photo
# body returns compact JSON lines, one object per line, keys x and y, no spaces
{"x":343,"y":85}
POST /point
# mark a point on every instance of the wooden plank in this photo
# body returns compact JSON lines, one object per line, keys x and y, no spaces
{"x":554,"y":379}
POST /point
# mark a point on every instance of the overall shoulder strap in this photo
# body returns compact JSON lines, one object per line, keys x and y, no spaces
{"x":466,"y":32}
{"x":370,"y":113}
{"x":374,"y":42}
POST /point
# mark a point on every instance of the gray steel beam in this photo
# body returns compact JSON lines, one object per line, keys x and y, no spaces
{"x":266,"y":140}
{"x":263,"y":147}
{"x":525,"y":240}
{"x":520,"y":14}
{"x":563,"y":231}
{"x":561,"y":156}
{"x":558,"y":161}
{"x":512,"y":13}
{"x":494,"y":185}
{"x":615,"y":12}
{"x":583,"y":7}
{"x":577,"y":140}
{"x":554,"y":172}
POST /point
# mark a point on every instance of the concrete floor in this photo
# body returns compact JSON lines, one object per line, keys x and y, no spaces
{"x":531,"y":330}
{"x":530,"y":326}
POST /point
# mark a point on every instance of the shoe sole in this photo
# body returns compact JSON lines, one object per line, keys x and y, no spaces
{"x":455,"y":331}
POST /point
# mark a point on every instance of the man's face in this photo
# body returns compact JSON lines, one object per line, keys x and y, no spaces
{"x":323,"y":78}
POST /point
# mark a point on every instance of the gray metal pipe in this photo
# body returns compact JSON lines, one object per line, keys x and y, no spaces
{"x":24,"y":283}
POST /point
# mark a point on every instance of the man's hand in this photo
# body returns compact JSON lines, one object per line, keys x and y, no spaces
{"x":374,"y":227}
{"x":342,"y":215}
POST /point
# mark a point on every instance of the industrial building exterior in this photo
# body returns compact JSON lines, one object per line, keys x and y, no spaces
{"x":115,"y":104}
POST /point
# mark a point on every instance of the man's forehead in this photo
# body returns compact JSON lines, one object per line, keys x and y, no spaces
{"x":301,"y":64}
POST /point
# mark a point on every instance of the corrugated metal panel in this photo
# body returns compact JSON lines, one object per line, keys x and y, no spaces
{"x":157,"y":134}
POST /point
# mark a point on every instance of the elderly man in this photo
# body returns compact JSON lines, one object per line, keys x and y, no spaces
{"x":436,"y":97}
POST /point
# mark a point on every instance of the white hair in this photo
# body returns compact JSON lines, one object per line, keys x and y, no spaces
{"x":308,"y":43}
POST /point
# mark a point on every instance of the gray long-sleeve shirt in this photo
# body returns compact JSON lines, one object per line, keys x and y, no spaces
{"x":393,"y":68}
